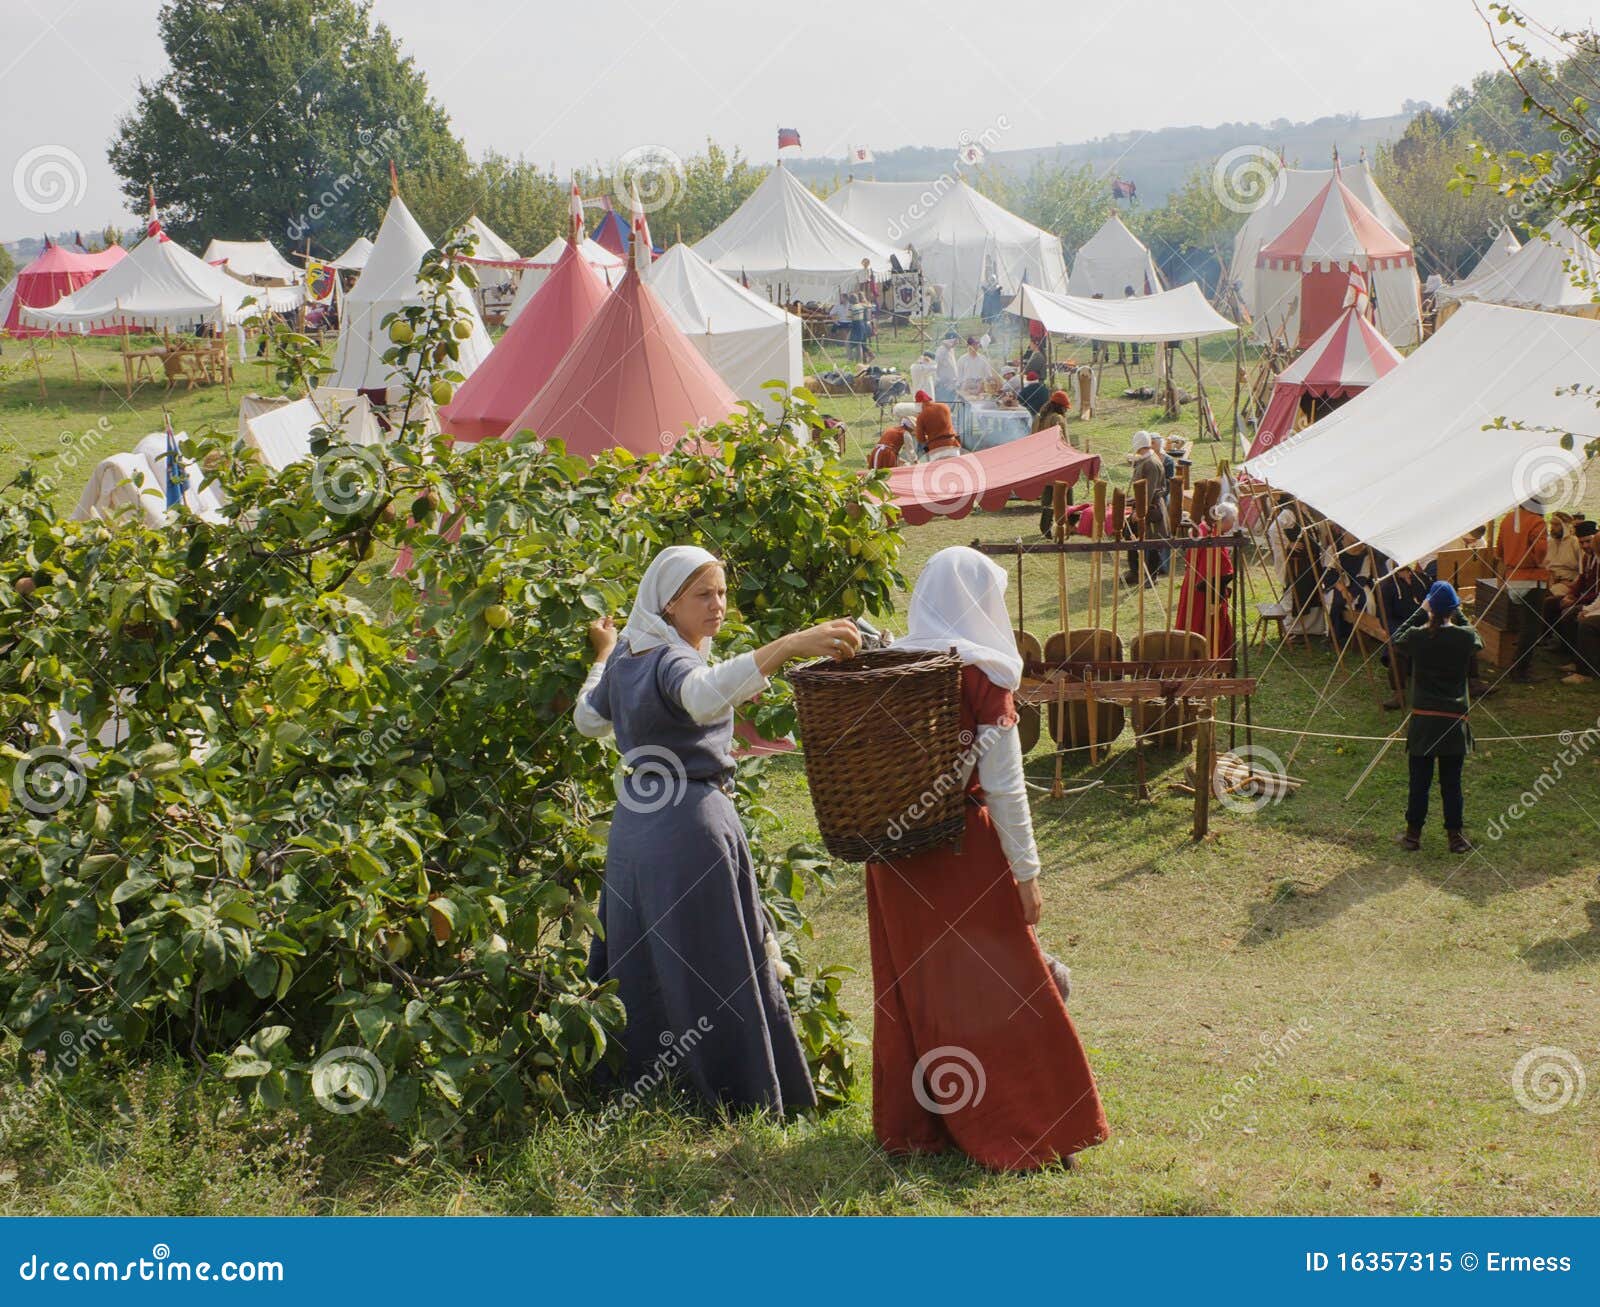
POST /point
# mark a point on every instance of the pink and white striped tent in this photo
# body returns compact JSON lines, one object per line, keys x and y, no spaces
{"x":1303,"y":273}
{"x":1349,"y":356}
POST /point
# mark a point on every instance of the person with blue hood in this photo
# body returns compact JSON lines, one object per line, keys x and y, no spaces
{"x":1440,"y":648}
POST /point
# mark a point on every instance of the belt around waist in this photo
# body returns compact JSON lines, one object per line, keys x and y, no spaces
{"x":1436,"y":712}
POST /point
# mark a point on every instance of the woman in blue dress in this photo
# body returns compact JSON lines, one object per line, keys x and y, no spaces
{"x":685,"y":936}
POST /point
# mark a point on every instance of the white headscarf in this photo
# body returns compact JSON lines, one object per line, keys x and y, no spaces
{"x":960,"y":601}
{"x":647,"y":626}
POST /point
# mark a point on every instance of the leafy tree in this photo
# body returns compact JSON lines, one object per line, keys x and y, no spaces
{"x":1191,"y":235}
{"x":1071,"y":202}
{"x":278,"y":119}
{"x":346,"y":837}
{"x":8,"y":266}
{"x":1449,"y":230}
{"x":707,"y":188}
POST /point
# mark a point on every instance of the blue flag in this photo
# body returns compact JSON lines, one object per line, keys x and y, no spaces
{"x":177,"y":478}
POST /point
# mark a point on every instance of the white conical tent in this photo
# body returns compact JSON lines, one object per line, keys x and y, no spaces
{"x":1111,"y":261}
{"x":490,"y":244}
{"x":160,"y":285}
{"x":1286,"y":198}
{"x":253,"y":261}
{"x":1499,"y":252}
{"x":610,"y":267}
{"x":960,"y":237}
{"x":788,"y":244}
{"x":390,"y":283}
{"x":1557,"y":270}
{"x":355,"y":257}
{"x":748,"y":340}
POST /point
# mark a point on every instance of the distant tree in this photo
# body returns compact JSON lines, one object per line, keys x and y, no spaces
{"x":1448,"y":230}
{"x":695,"y":198}
{"x":8,"y":266}
{"x":1071,"y":202}
{"x":278,"y":119}
{"x":1191,"y":235}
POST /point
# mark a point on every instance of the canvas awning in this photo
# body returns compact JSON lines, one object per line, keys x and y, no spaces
{"x":1178,"y":314}
{"x":953,"y":487}
{"x":1408,"y":465}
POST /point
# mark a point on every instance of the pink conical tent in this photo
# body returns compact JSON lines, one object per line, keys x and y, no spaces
{"x":632,"y":379}
{"x":526,"y":356}
{"x":1303,"y":272}
{"x":55,"y":273}
{"x":1350,"y":356}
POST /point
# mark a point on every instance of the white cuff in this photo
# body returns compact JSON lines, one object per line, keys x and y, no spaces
{"x":710,"y":693}
{"x":1005,"y":794}
{"x":584,"y":716}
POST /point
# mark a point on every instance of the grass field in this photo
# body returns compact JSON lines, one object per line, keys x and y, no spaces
{"x":1291,"y":1016}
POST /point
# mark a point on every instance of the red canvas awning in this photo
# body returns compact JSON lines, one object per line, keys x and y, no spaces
{"x":953,"y":487}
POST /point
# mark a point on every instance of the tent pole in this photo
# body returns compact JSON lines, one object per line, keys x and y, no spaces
{"x":1238,"y":367}
{"x":1199,"y":396}
{"x":127,"y":363}
{"x":33,"y":349}
{"x":72,"y":349}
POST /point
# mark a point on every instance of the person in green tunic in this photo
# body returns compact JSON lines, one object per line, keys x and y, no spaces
{"x":1440,"y":648}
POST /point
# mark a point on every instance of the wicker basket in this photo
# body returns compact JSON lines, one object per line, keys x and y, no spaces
{"x":881,"y":734}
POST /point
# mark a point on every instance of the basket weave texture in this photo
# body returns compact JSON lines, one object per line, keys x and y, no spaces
{"x":881,"y":734}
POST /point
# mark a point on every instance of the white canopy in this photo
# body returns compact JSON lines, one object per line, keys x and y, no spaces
{"x":1286,"y":199}
{"x":1499,"y":253}
{"x":1112,"y":260}
{"x":160,"y":284}
{"x":253,"y":261}
{"x":1540,"y":275}
{"x":1178,"y":314}
{"x":490,"y":245}
{"x":355,"y":258}
{"x":788,"y":243}
{"x":1407,"y":465}
{"x":961,"y":237}
{"x":610,"y":266}
{"x":390,"y":283}
{"x":282,"y":434}
{"x":748,"y":340}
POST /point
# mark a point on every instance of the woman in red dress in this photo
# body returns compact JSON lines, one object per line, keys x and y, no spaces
{"x":1207,"y":575}
{"x":972,"y":1046}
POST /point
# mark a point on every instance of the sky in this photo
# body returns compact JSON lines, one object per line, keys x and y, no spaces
{"x":552,"y":83}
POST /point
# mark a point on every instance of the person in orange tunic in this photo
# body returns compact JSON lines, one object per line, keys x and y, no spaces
{"x":1207,"y":576}
{"x":972,"y":1047}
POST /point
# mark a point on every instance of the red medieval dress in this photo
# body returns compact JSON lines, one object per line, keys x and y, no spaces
{"x":1207,"y":573}
{"x":972,"y":1046}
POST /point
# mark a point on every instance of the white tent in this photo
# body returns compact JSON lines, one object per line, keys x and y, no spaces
{"x":282,"y":434}
{"x":1544,"y":274}
{"x":748,"y":340}
{"x":1407,"y":465}
{"x":159,"y":285}
{"x":789,"y":245}
{"x":122,"y":481}
{"x":960,"y":237}
{"x":610,"y":267}
{"x":355,"y":258}
{"x":490,"y":245}
{"x":390,"y":283}
{"x":1499,"y":253}
{"x":254,"y":261}
{"x":1111,"y":261}
{"x":1287,"y":197}
{"x":1181,"y":313}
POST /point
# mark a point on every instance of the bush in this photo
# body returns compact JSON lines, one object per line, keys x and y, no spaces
{"x":344,"y":840}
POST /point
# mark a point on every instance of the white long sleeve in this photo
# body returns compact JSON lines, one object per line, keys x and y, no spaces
{"x":584,"y":716}
{"x":1005,"y":794}
{"x":708,"y":693}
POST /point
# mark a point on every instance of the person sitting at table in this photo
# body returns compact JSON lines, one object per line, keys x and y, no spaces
{"x":946,"y":373}
{"x":1563,"y":558}
{"x":1400,"y":595}
{"x":1520,"y":547}
{"x":973,"y":369}
{"x":936,"y":434}
{"x":1348,"y":572}
{"x":886,"y":453}
{"x":1580,"y":596}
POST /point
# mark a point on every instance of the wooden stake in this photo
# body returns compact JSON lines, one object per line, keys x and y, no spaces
{"x":1204,"y":763}
{"x":1059,"y":503}
{"x":33,"y":349}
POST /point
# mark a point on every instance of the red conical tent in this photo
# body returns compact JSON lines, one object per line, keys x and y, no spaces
{"x":1347,"y":358}
{"x":632,"y":379}
{"x":56,"y":272}
{"x":526,"y":356}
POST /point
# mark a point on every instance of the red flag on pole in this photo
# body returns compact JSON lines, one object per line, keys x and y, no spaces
{"x":575,"y":214}
{"x":788,"y":136}
{"x":1356,"y":293}
{"x":641,"y":230}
